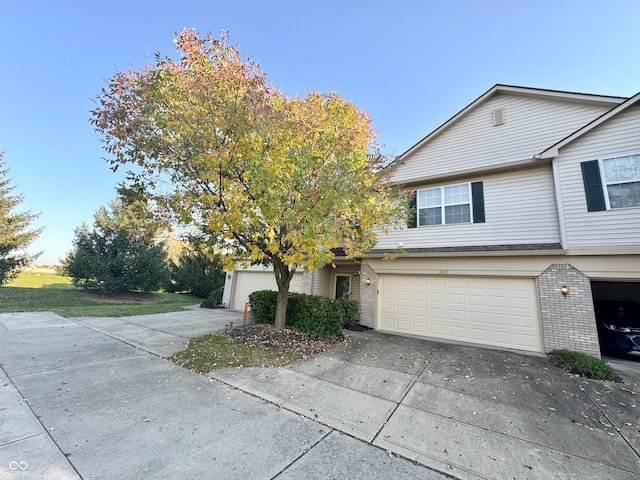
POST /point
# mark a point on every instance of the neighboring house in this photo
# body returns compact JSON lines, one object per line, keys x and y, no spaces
{"x":522,"y":193}
{"x":342,"y":280}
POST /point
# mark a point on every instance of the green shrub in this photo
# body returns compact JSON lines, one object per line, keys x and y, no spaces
{"x":209,"y":303}
{"x":583,"y":364}
{"x":350,"y":310}
{"x":314,"y":314}
{"x":263,"y":306}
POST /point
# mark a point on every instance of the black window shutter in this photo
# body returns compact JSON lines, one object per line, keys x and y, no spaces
{"x":477,"y":199}
{"x":593,"y":186}
{"x":412,"y":221}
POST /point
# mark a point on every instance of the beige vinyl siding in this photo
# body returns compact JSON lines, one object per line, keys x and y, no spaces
{"x":618,"y":136}
{"x":355,"y":287}
{"x":321,"y":281}
{"x":520,"y":208}
{"x":324,"y":282}
{"x":530,"y":126}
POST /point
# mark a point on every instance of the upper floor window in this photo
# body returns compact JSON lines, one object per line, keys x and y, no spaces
{"x":444,"y":205}
{"x":462,"y":203}
{"x":622,"y":180}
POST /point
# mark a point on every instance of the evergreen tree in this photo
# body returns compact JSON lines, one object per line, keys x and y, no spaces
{"x":121,"y":252}
{"x":15,"y":235}
{"x":198,"y":271}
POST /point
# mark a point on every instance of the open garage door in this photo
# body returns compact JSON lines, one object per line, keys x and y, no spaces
{"x":617,"y":309}
{"x":491,"y":311}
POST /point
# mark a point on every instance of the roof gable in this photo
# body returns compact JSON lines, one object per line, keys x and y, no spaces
{"x":499,"y":88}
{"x":470,"y":142}
{"x":553,"y":150}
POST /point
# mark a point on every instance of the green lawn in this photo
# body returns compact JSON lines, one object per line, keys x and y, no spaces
{"x":214,"y":351}
{"x":25,"y":280}
{"x":32,"y":293}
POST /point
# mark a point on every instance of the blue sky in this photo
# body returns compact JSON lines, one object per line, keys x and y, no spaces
{"x":410,"y":64}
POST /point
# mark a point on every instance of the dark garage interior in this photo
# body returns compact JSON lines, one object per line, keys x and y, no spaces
{"x":617,"y":309}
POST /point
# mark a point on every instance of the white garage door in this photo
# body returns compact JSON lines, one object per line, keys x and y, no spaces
{"x":492,"y":311}
{"x":246,"y":282}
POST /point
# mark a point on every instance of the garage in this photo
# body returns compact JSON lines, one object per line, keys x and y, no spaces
{"x":496,"y":311}
{"x":247,"y":281}
{"x":617,"y":311}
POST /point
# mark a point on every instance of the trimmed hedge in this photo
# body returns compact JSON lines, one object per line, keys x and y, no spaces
{"x":314,"y":314}
{"x":350,"y":311}
{"x":263,"y":306}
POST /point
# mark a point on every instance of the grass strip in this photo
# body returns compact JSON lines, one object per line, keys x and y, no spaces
{"x":34,"y":280}
{"x":211,"y":352}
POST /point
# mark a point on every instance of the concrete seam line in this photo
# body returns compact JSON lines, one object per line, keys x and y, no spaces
{"x":284,"y":406}
{"x":137,"y":347}
{"x":595,"y":404}
{"x":154,"y":329}
{"x":302,"y":454}
{"x":47,"y":432}
{"x":355,"y":389}
{"x":28,"y":437}
{"x":441,"y":468}
{"x":426,"y":364}
{"x":331,"y":428}
{"x":518,"y":439}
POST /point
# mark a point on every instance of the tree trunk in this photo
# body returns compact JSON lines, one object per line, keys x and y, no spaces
{"x":283,"y":279}
{"x":281,"y":307}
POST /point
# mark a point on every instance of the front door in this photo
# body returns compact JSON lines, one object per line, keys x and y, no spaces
{"x":343,"y":286}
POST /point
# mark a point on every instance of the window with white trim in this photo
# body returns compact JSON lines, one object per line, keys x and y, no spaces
{"x":622,"y":180}
{"x":444,"y":205}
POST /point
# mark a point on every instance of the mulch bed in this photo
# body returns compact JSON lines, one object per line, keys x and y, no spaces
{"x":267,"y":336}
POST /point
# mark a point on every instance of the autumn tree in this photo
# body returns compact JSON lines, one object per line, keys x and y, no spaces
{"x":15,"y":234}
{"x":276,"y":179}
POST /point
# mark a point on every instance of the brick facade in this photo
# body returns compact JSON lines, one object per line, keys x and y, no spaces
{"x":568,"y":321}
{"x":368,"y":296}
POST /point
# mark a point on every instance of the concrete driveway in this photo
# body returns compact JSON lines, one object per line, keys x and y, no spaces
{"x":92,"y":399}
{"x":102,"y":403}
{"x":469,"y":412}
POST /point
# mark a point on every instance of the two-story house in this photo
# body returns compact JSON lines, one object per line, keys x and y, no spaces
{"x":526,"y":208}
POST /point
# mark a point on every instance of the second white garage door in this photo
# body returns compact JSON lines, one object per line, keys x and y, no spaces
{"x":492,"y":311}
{"x":248,"y":281}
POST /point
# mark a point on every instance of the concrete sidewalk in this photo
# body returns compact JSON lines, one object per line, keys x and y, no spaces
{"x":164,"y":333}
{"x":80,"y":402}
{"x":469,"y":412}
